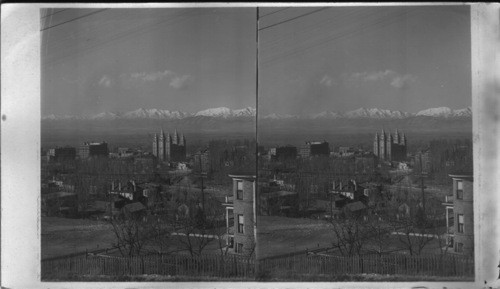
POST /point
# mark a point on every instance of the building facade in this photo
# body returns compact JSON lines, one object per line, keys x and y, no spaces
{"x":61,"y":153}
{"x":169,"y":148}
{"x":315,"y":148}
{"x":93,"y":149}
{"x":460,"y":215}
{"x":240,"y":215}
{"x":390,"y":147}
{"x":283,"y":153}
{"x":201,"y":161}
{"x":422,"y":160}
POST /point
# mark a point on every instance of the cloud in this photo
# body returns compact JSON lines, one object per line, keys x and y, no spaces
{"x":173,"y":79}
{"x":403,"y":81}
{"x":390,"y":77}
{"x":179,"y":82}
{"x":151,"y":76}
{"x":105,"y":81}
{"x":327,"y":81}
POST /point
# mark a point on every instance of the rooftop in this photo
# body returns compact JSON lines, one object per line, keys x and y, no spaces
{"x":243,"y":175}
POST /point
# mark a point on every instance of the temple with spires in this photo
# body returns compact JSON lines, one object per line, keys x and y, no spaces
{"x":169,"y":148}
{"x":390,"y":147}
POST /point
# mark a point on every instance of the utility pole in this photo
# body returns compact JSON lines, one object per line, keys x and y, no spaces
{"x":202,"y":175}
{"x":257,"y":267}
{"x":422,"y":182}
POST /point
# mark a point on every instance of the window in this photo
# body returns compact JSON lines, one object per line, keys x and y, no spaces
{"x":239,"y":248}
{"x":460,"y":219}
{"x":460,"y":190}
{"x":239,"y":190}
{"x":459,"y":248}
{"x":240,"y":224}
{"x":450,"y":241}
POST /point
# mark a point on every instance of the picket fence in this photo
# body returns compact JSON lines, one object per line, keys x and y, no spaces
{"x":293,"y":268}
{"x":297,"y":266}
{"x":229,"y":266}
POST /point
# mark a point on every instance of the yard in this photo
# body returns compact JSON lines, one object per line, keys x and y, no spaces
{"x":280,"y":235}
{"x":63,"y":236}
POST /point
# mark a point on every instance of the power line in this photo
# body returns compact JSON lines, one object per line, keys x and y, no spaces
{"x":294,"y":18}
{"x":380,"y":22}
{"x":54,"y":13}
{"x":74,"y":19}
{"x":318,"y":26}
{"x":125,"y":34}
{"x":274,"y":12}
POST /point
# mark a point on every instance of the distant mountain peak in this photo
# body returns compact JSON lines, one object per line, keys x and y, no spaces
{"x":226,"y":113}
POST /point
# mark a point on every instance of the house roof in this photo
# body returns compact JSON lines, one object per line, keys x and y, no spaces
{"x":56,"y":195}
{"x":134,"y":207}
{"x":280,"y":194}
{"x":356,"y":206}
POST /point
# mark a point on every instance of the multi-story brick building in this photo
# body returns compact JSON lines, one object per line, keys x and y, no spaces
{"x":93,"y":149}
{"x":240,"y":214}
{"x":61,"y":153}
{"x":283,"y":153}
{"x":460,"y":214}
{"x":315,"y":148}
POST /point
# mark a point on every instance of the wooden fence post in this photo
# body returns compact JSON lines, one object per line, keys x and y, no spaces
{"x":142,"y":266}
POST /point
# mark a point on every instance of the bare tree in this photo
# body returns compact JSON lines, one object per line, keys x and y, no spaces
{"x":195,"y":231}
{"x":378,"y":231}
{"x":130,"y":233}
{"x":350,"y":235}
{"x":413,"y":231}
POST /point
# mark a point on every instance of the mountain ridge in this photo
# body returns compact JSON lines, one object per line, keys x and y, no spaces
{"x":250,"y":112}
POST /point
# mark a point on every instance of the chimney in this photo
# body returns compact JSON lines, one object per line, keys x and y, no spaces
{"x":334,"y":185}
{"x":112,"y":185}
{"x":119,"y":186}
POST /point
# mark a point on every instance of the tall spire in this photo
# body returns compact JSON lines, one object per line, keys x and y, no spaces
{"x":175,"y":139}
{"x":182,"y":140}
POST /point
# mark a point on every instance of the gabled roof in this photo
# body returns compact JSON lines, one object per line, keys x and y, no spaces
{"x":356,"y":206}
{"x":280,"y":194}
{"x":134,"y":207}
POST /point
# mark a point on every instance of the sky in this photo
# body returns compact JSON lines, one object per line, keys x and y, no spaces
{"x":310,"y":59}
{"x":313,"y":59}
{"x":120,"y":60}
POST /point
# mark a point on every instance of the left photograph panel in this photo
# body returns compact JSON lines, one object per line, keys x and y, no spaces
{"x":148,"y":144}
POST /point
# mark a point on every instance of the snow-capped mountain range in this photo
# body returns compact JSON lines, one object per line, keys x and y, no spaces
{"x":226,"y":113}
{"x":377,"y":113}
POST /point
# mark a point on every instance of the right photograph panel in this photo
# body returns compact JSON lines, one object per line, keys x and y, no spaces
{"x":364,"y":134}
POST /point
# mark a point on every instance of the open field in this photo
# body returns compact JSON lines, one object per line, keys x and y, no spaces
{"x":280,"y":235}
{"x":63,"y":236}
